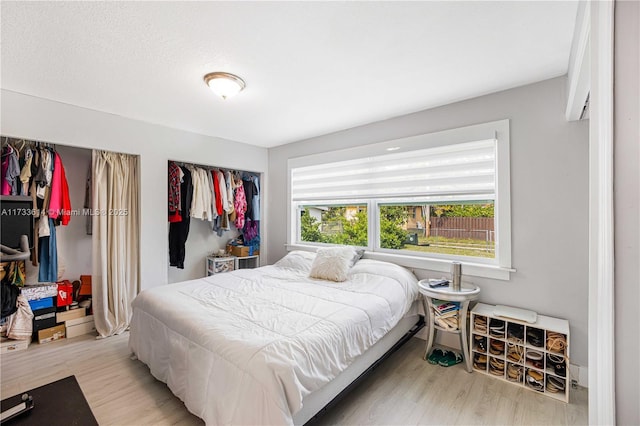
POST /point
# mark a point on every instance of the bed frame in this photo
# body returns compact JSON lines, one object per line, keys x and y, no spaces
{"x":317,"y":403}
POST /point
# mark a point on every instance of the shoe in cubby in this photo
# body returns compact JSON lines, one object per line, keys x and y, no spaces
{"x":556,"y":342}
{"x":515,"y":353}
{"x":480,"y":362}
{"x":496,"y":347}
{"x":496,"y":328}
{"x":535,"y":337}
{"x":534,"y":379}
{"x":515,"y":333}
{"x":480,"y":343}
{"x":556,"y":364}
{"x":534,"y":358}
{"x":480,"y":324}
{"x":556,"y":385}
{"x":515,"y":372}
{"x":496,"y":366}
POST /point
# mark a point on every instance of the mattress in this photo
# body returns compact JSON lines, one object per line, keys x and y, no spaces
{"x":246,"y":347}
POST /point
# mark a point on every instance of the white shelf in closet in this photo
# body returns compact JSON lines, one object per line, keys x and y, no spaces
{"x":247,"y":262}
{"x":220,"y":264}
{"x":519,"y":352}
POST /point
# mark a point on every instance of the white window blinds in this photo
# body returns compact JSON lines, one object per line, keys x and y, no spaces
{"x":465,"y":171}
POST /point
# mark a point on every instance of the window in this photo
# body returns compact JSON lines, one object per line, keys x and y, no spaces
{"x":334,"y":224}
{"x":465,"y":229}
{"x":437,"y":197}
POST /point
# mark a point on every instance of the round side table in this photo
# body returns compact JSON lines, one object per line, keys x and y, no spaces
{"x":466,"y":294}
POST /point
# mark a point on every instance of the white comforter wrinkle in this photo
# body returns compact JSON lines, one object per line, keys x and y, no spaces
{"x":256,"y":342}
{"x":336,"y":302}
{"x":284,"y":307}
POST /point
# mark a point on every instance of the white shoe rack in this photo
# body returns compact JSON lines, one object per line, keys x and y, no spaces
{"x":530,"y":355}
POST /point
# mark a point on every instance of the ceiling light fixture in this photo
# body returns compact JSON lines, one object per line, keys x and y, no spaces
{"x":224,"y":84}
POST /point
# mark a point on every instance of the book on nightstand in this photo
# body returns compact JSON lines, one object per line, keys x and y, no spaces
{"x":444,"y":306}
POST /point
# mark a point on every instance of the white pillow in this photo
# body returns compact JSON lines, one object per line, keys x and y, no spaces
{"x":298,"y":260}
{"x":332,"y":263}
{"x":358,"y":253}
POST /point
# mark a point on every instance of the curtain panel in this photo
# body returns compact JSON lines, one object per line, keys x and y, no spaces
{"x":116,"y":240}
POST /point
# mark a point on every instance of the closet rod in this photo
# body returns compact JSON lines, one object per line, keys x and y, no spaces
{"x":209,"y":167}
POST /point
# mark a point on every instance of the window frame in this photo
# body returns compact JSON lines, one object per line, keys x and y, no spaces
{"x":498,"y":268}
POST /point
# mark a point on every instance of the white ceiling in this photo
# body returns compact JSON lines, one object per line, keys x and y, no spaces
{"x":311,"y":67}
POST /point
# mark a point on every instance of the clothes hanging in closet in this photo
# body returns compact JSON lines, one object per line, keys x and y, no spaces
{"x":240,"y":202}
{"x":230,"y":196}
{"x":38,"y":171}
{"x":255,"y":203}
{"x":48,"y":271}
{"x":10,"y":171}
{"x":215,"y":195}
{"x":251,"y":229}
{"x":179,"y":230}
{"x":175,"y":177}
{"x":249,"y":193}
{"x":50,"y":190}
{"x":221,"y":223}
{"x":25,"y":173}
{"x":201,"y":205}
{"x":59,"y":202}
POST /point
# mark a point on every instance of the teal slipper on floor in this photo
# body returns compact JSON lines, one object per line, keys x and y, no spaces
{"x":450,"y":358}
{"x":435,"y":356}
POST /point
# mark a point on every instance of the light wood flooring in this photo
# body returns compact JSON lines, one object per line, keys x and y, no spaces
{"x":403,"y":390}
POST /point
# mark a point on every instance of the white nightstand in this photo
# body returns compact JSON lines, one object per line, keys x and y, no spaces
{"x":464,"y":296}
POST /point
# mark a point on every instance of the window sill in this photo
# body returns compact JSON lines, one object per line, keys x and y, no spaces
{"x":468,"y":268}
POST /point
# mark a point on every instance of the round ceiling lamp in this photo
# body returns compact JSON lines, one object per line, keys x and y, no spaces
{"x":224,"y":84}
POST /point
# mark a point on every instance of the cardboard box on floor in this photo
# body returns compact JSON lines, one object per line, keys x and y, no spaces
{"x":51,"y":334}
{"x":70,"y":314}
{"x":10,"y":345}
{"x":240,"y":251}
{"x":79,"y":326}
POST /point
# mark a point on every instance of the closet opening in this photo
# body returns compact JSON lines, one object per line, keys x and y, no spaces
{"x":213,"y":215}
{"x":80,"y":211}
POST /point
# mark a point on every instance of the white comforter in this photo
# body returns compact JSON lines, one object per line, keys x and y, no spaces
{"x":246,"y":347}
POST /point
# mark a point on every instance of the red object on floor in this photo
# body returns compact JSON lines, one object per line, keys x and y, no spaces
{"x":65,"y":293}
{"x":85,"y":285}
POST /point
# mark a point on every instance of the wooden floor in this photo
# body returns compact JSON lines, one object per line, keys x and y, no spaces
{"x":404,"y":390}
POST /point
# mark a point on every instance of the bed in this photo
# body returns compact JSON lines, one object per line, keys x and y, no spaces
{"x":271,"y":345}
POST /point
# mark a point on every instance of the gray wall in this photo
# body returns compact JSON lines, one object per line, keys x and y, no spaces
{"x":549,"y":193}
{"x":627,"y":210}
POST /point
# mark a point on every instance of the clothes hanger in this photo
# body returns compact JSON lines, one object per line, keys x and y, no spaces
{"x":23,"y":143}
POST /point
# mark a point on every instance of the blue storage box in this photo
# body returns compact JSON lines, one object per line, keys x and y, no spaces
{"x":47,"y":302}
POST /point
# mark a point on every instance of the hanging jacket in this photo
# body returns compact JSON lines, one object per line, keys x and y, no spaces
{"x":10,"y":171}
{"x":256,"y":198}
{"x":216,"y":188}
{"x":59,"y":201}
{"x":240,"y":204}
{"x":25,"y":173}
{"x":174,"y":193}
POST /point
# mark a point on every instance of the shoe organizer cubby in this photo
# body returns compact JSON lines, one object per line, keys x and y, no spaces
{"x":534,"y":356}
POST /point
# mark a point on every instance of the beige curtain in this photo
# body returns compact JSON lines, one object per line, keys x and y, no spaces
{"x":116,"y":240}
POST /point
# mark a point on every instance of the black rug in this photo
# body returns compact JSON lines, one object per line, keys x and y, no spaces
{"x":59,"y":403}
